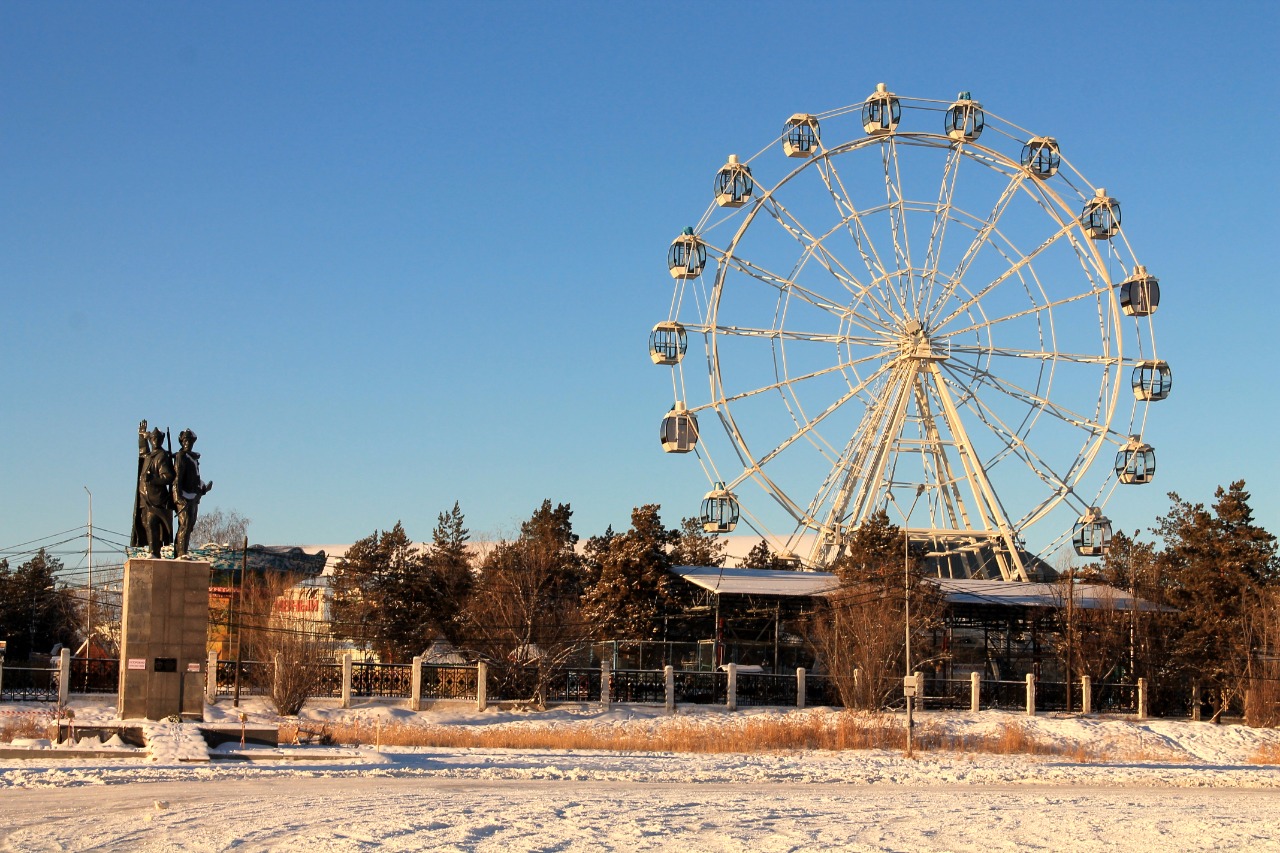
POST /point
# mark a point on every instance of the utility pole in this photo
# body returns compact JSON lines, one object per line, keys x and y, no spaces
{"x":908,"y":683}
{"x":1071,"y":626}
{"x":88,"y":642}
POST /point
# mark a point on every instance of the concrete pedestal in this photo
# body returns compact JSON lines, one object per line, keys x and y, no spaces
{"x":164,"y":628}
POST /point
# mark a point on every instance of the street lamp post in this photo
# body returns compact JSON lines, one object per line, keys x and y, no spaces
{"x":88,"y":633}
{"x":908,"y":683}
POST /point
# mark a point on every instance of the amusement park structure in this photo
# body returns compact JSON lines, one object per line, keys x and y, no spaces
{"x":925,"y":310}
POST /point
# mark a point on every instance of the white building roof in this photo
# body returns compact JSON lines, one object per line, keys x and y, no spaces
{"x":757,"y":581}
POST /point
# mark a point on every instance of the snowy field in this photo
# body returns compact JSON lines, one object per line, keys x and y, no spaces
{"x":1167,"y":786}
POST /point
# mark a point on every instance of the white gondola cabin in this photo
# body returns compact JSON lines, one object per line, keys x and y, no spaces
{"x":1136,"y":463}
{"x":1152,"y":380}
{"x":965,"y":119}
{"x":667,"y":343}
{"x":1040,"y":157}
{"x":881,"y":112}
{"x":719,"y":510}
{"x":679,"y":430}
{"x":687,"y":255}
{"x":801,"y":137}
{"x":1101,"y":216}
{"x":1140,"y":293}
{"x":1091,"y":536}
{"x":734,"y":184}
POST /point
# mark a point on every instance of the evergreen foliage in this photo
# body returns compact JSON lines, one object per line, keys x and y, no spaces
{"x":34,"y":613}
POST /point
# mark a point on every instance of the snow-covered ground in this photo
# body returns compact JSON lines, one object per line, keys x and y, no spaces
{"x":1179,"y":785}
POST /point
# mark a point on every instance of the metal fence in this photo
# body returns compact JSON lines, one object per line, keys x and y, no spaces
{"x":702,"y":688}
{"x":758,"y":688}
{"x":29,"y":684}
{"x":381,"y":680}
{"x":638,"y":685}
{"x":448,"y":682}
{"x":575,"y":685}
{"x":821,"y":690}
{"x":94,"y":675}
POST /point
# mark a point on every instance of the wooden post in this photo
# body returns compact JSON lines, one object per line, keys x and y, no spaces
{"x":1031,"y":695}
{"x":415,"y":684}
{"x":731,"y":699}
{"x":975,"y":691}
{"x":1142,"y":698}
{"x":1086,"y":694}
{"x":800,"y":697}
{"x":482,"y":686}
{"x":346,"y":679}
{"x":1195,"y":701}
{"x":669,"y":677}
{"x":606,"y":684}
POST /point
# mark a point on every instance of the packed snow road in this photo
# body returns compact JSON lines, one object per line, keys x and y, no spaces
{"x":319,"y":814}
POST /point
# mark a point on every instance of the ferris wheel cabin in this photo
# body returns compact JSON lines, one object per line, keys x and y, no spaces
{"x":667,"y":343}
{"x":1140,"y":293}
{"x":881,"y":112}
{"x":679,"y":432}
{"x":719,"y":510}
{"x":1040,"y":157}
{"x":733,"y":183}
{"x":801,"y":138}
{"x":687,"y":256}
{"x":965,"y":119}
{"x":1101,"y":216}
{"x":1136,"y":463}
{"x":1092,"y":534}
{"x":1152,"y":380}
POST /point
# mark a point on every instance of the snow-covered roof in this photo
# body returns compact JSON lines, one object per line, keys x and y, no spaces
{"x":757,"y":581}
{"x":955,"y":591}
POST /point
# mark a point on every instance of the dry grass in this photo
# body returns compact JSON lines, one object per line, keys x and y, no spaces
{"x":838,"y":731}
{"x":1266,"y":754}
{"x":24,"y":726}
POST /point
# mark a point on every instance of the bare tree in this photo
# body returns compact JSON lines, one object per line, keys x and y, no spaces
{"x":220,"y":526}
{"x":295,"y":646}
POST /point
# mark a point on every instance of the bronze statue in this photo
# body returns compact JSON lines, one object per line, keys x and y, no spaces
{"x":188,"y":489}
{"x":153,"y":504}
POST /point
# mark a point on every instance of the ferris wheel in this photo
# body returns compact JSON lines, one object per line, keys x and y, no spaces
{"x":923,"y":309}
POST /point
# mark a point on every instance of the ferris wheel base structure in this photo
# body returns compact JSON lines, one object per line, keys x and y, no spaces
{"x":912,"y":322}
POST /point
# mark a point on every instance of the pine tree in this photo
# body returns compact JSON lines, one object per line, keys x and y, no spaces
{"x":635,"y":589}
{"x":34,"y":613}
{"x":450,"y":570}
{"x":695,"y":547}
{"x":760,"y":556}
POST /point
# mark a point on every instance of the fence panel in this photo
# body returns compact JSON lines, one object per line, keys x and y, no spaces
{"x":29,"y":684}
{"x":443,"y":681}
{"x":382,"y":680}
{"x":1115,"y":698}
{"x":821,"y":690}
{"x":1005,"y":695}
{"x":1052,"y":696}
{"x":702,"y":688}
{"x":574,"y":685}
{"x":758,"y":688}
{"x":947,"y":693}
{"x":255,"y":678}
{"x":639,"y":685}
{"x":94,"y":675}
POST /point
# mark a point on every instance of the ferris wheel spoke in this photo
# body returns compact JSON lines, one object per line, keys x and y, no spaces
{"x":979,"y":240}
{"x":1035,"y":309}
{"x":1032,"y":399}
{"x":1013,"y":270}
{"x":938,"y":230}
{"x":898,"y":220}
{"x":1034,"y":355}
{"x":816,"y":248}
{"x":785,"y":383}
{"x":1015,"y":445}
{"x":879,"y":341}
{"x":786,"y":285}
{"x":810,"y":425}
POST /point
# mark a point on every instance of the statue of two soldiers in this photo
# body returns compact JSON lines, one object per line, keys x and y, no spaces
{"x":167,"y":482}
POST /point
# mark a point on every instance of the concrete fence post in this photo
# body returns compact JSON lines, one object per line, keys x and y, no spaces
{"x":64,"y":676}
{"x":482,"y":686}
{"x":669,"y":679}
{"x":1142,"y":698}
{"x":800,"y":697}
{"x":211,"y":678}
{"x":606,"y":684}
{"x":975,"y":691}
{"x":919,"y":697}
{"x":1195,"y":701}
{"x":1086,"y":694}
{"x":1,"y":669}
{"x":415,"y":684}
{"x":1031,"y":695}
{"x":346,"y":679}
{"x":731,"y":693}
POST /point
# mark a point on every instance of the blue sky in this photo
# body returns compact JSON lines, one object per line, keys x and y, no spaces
{"x":383,"y":257}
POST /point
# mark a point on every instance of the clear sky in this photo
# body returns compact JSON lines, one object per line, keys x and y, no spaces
{"x":386,"y":256}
